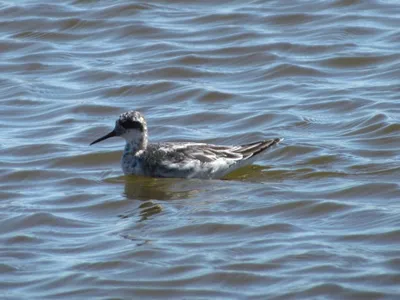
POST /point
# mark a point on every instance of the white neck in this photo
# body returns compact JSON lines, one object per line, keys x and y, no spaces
{"x":135,"y":141}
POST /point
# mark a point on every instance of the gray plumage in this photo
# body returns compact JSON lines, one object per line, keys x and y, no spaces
{"x":178,"y":159}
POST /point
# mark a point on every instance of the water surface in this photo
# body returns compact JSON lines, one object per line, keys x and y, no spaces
{"x":318,"y":216}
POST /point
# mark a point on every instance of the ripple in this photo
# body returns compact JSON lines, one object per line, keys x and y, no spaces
{"x":358,"y":62}
{"x":39,"y":220}
{"x":316,"y":216}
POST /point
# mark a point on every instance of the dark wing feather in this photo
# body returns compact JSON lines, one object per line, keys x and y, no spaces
{"x":209,"y":153}
{"x":205,"y":153}
{"x":249,"y":150}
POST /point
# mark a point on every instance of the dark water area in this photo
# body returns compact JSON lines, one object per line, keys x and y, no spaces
{"x":317,"y":217}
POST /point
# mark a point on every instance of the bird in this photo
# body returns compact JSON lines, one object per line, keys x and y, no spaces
{"x":179,"y":159}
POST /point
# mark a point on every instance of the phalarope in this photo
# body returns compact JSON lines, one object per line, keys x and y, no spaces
{"x":180,"y":159}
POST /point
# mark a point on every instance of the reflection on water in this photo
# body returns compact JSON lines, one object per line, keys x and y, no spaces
{"x":146,"y":188}
{"x":159,"y":189}
{"x":146,"y":210}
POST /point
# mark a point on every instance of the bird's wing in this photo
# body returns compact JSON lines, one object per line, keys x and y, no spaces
{"x":178,"y":154}
{"x":198,"y":160}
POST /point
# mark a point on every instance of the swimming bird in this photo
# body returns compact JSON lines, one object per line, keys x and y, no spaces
{"x":178,"y":159}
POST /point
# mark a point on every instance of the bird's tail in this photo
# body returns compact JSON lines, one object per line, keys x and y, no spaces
{"x":250,"y":150}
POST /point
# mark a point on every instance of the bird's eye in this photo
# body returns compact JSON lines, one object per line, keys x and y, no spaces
{"x":129,"y":124}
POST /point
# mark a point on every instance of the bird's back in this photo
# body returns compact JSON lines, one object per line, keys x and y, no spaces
{"x":198,"y":160}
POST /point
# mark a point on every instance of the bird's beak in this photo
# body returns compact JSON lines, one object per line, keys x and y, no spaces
{"x":111,"y":134}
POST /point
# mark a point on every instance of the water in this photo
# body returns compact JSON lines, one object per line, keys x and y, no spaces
{"x":318,"y":216}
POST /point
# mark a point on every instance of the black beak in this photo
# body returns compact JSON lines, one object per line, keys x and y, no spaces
{"x":111,"y":134}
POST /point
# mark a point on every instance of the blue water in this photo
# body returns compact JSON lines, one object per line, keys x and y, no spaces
{"x":316,"y":217}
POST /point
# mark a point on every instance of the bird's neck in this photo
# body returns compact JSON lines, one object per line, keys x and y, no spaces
{"x":136,"y":143}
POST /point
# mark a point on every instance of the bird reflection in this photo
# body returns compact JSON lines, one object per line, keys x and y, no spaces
{"x":146,"y":188}
{"x":152,"y":190}
{"x":146,"y":210}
